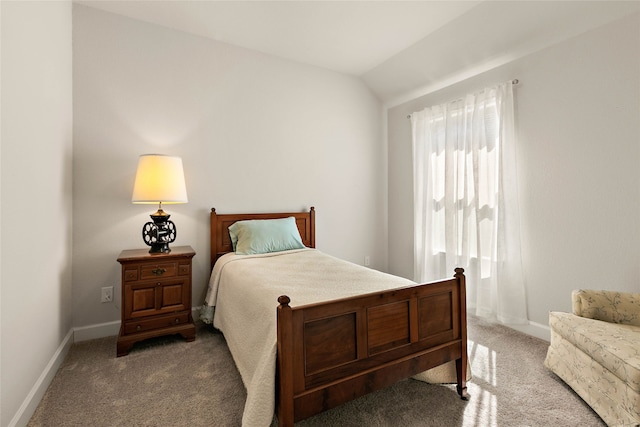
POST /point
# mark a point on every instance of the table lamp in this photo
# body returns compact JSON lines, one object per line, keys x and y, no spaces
{"x":159,"y":179}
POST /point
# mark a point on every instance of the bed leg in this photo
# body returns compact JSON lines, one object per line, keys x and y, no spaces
{"x":285,"y":363}
{"x":461,"y":371}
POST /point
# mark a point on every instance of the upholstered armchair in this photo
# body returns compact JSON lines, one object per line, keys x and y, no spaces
{"x":596,"y":351}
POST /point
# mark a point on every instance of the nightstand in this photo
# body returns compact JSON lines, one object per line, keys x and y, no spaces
{"x":156,"y":296}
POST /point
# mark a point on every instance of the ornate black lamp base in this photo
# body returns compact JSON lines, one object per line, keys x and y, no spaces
{"x":159,"y":233}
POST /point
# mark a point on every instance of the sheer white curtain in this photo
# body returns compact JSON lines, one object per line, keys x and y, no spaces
{"x":465,"y":200}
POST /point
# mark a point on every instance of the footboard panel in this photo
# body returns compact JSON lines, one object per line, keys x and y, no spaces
{"x":330,"y":353}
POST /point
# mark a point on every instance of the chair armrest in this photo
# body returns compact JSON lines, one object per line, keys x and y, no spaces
{"x":609,"y":306}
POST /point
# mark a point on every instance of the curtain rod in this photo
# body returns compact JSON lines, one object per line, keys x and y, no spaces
{"x":513,"y":82}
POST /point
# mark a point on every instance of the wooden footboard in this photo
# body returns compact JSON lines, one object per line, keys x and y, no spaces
{"x":333,"y":352}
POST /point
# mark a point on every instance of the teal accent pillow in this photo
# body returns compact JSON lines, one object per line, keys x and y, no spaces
{"x":261,"y":236}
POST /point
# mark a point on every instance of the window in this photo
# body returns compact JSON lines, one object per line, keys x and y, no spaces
{"x":464,"y":192}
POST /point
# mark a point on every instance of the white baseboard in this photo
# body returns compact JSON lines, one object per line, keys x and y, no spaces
{"x":38,"y":390}
{"x":195,"y":312}
{"x":99,"y":330}
{"x":534,"y":329}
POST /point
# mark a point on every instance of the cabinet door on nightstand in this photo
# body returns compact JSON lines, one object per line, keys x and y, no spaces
{"x":158,"y":297}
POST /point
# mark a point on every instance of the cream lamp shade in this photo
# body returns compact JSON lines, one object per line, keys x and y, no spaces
{"x":159,"y":179}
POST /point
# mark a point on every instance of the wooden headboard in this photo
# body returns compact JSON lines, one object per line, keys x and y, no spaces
{"x":221,"y":242}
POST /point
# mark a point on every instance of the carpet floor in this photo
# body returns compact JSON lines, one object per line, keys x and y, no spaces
{"x":169,"y":382}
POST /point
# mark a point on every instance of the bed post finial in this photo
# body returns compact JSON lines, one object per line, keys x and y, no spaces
{"x":284,"y":300}
{"x":213,"y":210}
{"x":459,"y":271}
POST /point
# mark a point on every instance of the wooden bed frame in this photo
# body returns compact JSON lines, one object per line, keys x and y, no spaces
{"x":333,"y":352}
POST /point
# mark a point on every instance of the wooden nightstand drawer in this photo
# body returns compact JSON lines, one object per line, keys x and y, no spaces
{"x":130,"y":275}
{"x":156,"y":271}
{"x":184,"y":269}
{"x":155,"y":323}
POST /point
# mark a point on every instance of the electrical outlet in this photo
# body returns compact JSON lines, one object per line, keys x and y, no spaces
{"x":107,"y":294}
{"x":367,"y":261}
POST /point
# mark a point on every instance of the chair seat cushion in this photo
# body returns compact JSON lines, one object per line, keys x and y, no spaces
{"x":614,"y":346}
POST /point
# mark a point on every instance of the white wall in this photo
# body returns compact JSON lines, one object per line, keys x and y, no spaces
{"x":35,"y":280}
{"x":255,"y":133}
{"x":578,"y":110}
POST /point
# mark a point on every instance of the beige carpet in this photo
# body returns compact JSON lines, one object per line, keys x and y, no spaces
{"x":168,"y":382}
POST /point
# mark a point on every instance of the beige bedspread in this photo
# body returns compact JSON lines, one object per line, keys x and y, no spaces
{"x":244,"y":290}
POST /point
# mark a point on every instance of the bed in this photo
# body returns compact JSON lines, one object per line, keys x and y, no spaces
{"x":302,"y":348}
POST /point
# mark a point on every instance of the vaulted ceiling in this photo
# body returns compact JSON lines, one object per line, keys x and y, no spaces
{"x":395,"y":46}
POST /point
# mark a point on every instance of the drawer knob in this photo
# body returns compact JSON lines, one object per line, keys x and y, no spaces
{"x":159,"y":271}
{"x":138,"y":327}
{"x":177,"y":320}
